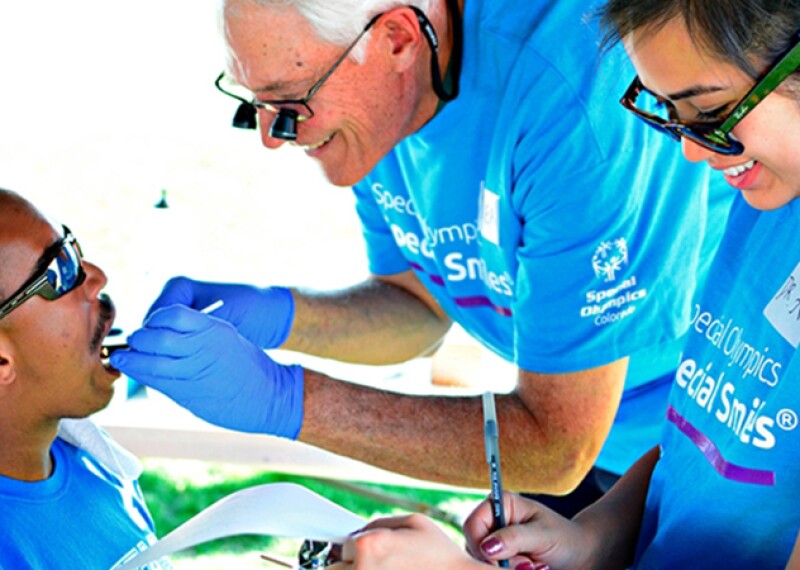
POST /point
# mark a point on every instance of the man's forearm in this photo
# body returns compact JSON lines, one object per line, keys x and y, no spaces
{"x":371,"y":323}
{"x":433,"y":438}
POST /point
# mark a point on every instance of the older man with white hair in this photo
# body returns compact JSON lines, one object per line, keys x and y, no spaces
{"x":482,"y":140}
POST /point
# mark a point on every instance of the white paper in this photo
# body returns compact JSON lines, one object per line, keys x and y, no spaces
{"x":278,"y":509}
{"x":783,"y":311}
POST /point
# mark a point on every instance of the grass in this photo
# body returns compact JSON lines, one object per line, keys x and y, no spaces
{"x":176,"y":490}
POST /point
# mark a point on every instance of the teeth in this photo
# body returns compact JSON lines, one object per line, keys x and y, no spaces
{"x":107,"y":351}
{"x":316,"y":145}
{"x":737,"y":170}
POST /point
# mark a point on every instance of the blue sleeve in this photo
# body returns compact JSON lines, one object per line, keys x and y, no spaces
{"x":383,"y":255}
{"x":598,"y":194}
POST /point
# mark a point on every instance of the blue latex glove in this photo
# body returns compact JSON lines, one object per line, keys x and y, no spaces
{"x":263,"y":316}
{"x":203,"y":364}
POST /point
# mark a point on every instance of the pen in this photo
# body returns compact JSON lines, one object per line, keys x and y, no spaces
{"x":277,"y":561}
{"x":107,"y":350}
{"x":490,"y":436}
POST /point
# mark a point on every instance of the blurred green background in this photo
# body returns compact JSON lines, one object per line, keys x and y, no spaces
{"x":176,"y":490}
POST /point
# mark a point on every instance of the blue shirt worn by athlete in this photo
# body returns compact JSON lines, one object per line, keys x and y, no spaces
{"x":727,"y":485}
{"x":82,"y":516}
{"x":528,"y":209}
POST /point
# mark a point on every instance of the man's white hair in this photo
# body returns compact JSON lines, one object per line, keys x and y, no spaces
{"x":340,"y":21}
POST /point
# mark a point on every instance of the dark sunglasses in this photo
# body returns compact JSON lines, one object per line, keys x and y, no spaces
{"x":59,"y":272}
{"x":715,"y":136}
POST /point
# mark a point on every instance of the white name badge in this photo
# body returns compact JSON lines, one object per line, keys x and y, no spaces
{"x":489,"y":221}
{"x":783,"y":311}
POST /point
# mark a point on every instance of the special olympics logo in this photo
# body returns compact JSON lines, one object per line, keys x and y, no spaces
{"x":609,"y":258}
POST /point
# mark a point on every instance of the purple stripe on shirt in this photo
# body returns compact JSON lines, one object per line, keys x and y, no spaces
{"x":465,"y":302}
{"x":714,"y":457}
{"x":469,"y":302}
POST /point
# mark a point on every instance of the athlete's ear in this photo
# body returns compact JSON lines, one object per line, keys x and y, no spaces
{"x":8,"y":370}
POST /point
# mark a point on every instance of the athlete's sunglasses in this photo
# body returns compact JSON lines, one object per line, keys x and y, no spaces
{"x":59,"y":272}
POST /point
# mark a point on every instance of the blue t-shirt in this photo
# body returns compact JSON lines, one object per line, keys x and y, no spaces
{"x":549,"y":222}
{"x":727,"y":485}
{"x":82,"y":516}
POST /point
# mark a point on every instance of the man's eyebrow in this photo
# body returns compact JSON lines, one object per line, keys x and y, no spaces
{"x":280,"y":85}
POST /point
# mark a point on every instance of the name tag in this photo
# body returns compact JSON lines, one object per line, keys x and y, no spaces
{"x":489,"y":220}
{"x":783,"y":311}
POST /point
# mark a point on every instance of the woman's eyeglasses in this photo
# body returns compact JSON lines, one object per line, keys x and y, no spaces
{"x":60,"y":271}
{"x":715,"y":136}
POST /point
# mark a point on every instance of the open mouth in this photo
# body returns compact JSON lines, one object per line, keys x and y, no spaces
{"x":742,"y":176}
{"x":105,"y":354}
{"x":740,"y":169}
{"x":106,"y":332}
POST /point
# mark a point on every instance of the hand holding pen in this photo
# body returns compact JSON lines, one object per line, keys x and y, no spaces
{"x":530,"y":544}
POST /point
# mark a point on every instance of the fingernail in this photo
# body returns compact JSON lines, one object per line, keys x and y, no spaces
{"x":491,"y":546}
{"x":527,"y":565}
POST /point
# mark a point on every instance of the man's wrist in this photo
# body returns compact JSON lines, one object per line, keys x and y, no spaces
{"x":286,"y":415}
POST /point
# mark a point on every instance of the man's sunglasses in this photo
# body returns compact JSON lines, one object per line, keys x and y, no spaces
{"x":715,"y":136}
{"x":59,"y":272}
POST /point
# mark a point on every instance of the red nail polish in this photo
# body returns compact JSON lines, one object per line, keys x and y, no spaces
{"x":491,"y":546}
{"x":531,"y":566}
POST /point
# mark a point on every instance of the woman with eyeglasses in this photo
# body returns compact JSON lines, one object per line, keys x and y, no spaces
{"x":722,"y":78}
{"x":724,"y":487}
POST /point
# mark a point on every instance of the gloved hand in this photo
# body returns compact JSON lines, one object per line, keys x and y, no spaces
{"x":206,"y":366}
{"x":263,"y":316}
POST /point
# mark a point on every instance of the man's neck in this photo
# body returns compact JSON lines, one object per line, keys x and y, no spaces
{"x":25,"y":449}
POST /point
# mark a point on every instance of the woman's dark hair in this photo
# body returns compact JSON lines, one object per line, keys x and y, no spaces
{"x":747,"y":33}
